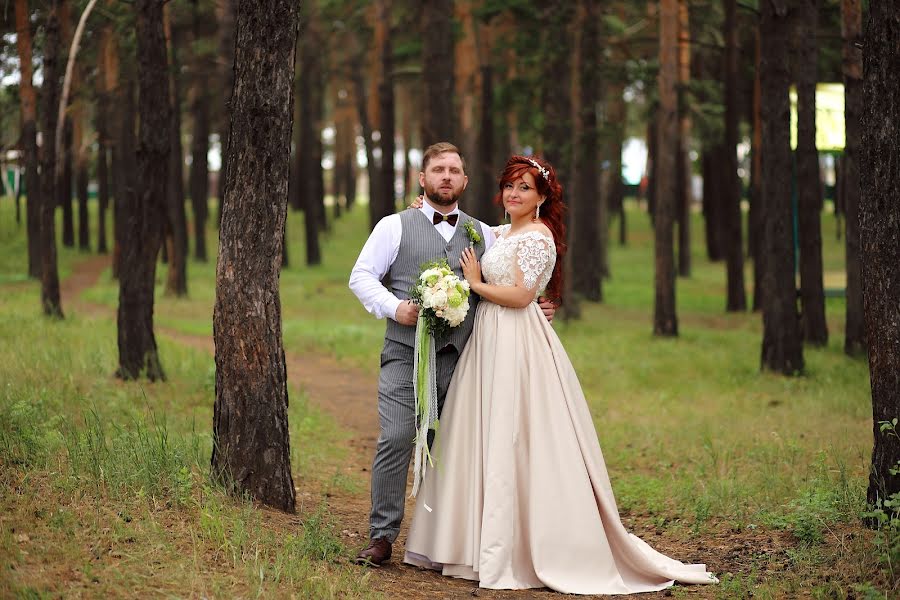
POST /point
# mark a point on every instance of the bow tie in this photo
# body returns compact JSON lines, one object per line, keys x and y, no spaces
{"x":439,"y":218}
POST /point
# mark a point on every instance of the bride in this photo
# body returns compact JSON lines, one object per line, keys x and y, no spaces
{"x":519,"y":496}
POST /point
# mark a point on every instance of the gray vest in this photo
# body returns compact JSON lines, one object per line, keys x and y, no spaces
{"x":421,"y":243}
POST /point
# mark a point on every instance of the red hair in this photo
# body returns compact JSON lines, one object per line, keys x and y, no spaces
{"x":553,"y":210}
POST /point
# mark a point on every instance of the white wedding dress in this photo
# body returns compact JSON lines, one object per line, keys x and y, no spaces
{"x":519,"y":496}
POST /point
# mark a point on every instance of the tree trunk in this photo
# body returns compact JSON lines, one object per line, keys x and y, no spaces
{"x":756,"y":201}
{"x":81,"y":187}
{"x":879,"y":228}
{"x":712,"y":197}
{"x":388,"y":120}
{"x":50,"y":93}
{"x":588,"y":276}
{"x":102,"y":193}
{"x":782,"y":345}
{"x":200,"y":116}
{"x":732,"y":229}
{"x":225,"y":12}
{"x":176,"y":276}
{"x":251,"y":449}
{"x":145,"y":208}
{"x":665,"y":320}
{"x":28,"y":104}
{"x":683,"y":161}
{"x":851,"y":17}
{"x":309,"y":150}
{"x":809,"y":185}
{"x":437,"y":72}
{"x":65,"y":186}
{"x":124,"y":170}
{"x":615,"y":195}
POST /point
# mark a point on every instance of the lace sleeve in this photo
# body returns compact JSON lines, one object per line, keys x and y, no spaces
{"x":535,"y":258}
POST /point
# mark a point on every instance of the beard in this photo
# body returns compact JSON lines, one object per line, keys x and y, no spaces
{"x":441,"y":198}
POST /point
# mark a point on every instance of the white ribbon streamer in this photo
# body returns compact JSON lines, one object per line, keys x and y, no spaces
{"x":426,"y":400}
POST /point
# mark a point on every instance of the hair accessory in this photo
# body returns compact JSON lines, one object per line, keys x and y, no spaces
{"x":544,"y":172}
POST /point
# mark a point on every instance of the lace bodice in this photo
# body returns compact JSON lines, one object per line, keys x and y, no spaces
{"x":530,"y":255}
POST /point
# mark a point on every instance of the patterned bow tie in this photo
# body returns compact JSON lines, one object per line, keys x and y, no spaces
{"x":439,"y":218}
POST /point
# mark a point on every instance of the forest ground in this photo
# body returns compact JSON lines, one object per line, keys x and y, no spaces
{"x":764,"y":490}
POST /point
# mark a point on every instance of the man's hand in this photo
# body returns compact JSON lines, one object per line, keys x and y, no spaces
{"x":548,"y":308}
{"x":407,"y":313}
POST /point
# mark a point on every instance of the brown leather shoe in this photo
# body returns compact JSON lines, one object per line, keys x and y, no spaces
{"x":377,"y":552}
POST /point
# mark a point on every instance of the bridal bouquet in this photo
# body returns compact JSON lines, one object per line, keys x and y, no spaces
{"x":444,"y":301}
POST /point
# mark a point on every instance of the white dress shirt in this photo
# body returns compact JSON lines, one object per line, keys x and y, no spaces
{"x":380,"y":252}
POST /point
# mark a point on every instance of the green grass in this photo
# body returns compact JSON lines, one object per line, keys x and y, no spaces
{"x":696,"y":438}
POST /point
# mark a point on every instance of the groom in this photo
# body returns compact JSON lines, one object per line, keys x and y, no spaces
{"x":386,"y":269}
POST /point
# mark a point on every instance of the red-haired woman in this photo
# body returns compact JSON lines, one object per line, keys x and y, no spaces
{"x":519,"y":496}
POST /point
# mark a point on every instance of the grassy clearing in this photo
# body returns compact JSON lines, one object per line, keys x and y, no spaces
{"x":699,"y":443}
{"x":104,"y":486}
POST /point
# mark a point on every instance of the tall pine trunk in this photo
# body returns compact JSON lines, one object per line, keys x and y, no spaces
{"x":200,"y":116}
{"x":588,"y":276}
{"x":782,"y":344}
{"x":251,"y":446}
{"x":388,"y":120}
{"x":176,"y":276}
{"x":683,"y":161}
{"x":851,"y":18}
{"x":437,"y":72}
{"x":144,"y":213}
{"x":732,"y":238}
{"x":809,"y":185}
{"x":28,"y":107}
{"x":879,"y":224}
{"x":665,"y":320}
{"x":50,"y":92}
{"x":754,"y":224}
{"x":309,"y":150}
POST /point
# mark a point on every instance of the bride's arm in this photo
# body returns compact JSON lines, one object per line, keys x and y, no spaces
{"x":519,"y":295}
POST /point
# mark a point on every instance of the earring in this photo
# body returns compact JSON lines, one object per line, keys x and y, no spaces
{"x":537,"y":212}
{"x":505,"y":215}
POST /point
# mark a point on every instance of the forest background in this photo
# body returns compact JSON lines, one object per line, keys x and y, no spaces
{"x":735,"y":410}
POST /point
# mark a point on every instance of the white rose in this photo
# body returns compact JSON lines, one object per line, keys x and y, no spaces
{"x":439,"y":299}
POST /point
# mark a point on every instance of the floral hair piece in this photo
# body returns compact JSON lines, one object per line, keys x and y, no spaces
{"x":544,"y":172}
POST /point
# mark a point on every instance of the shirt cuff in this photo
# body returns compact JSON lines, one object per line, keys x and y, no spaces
{"x":389,"y":308}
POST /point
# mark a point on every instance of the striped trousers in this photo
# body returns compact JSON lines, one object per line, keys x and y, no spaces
{"x":396,"y":414}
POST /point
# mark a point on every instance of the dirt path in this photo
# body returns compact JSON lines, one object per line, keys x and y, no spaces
{"x":350,"y":397}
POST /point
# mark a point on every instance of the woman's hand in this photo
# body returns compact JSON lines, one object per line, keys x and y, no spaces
{"x":417,"y":203}
{"x":471,"y":268}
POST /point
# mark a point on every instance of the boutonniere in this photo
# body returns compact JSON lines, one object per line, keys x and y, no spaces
{"x":474,"y":236}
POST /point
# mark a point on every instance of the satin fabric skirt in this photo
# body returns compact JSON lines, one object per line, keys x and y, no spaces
{"x":519,"y":496}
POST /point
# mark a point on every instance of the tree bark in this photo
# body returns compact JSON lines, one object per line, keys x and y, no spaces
{"x":879,"y":228}
{"x":732,"y":238}
{"x":64,"y":185}
{"x":50,"y":299}
{"x":309,"y":150}
{"x":665,"y":320}
{"x":754,"y":218}
{"x":437,"y":72}
{"x":81,"y":188}
{"x":28,"y":107}
{"x":225,"y":13}
{"x":176,"y":276}
{"x":199,"y":173}
{"x":145,"y":208}
{"x":588,"y":275}
{"x":851,"y":18}
{"x":712,"y":200}
{"x":388,"y":120}
{"x":683,"y":162}
{"x":809,"y":184}
{"x":251,"y":450}
{"x":782,"y":344}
